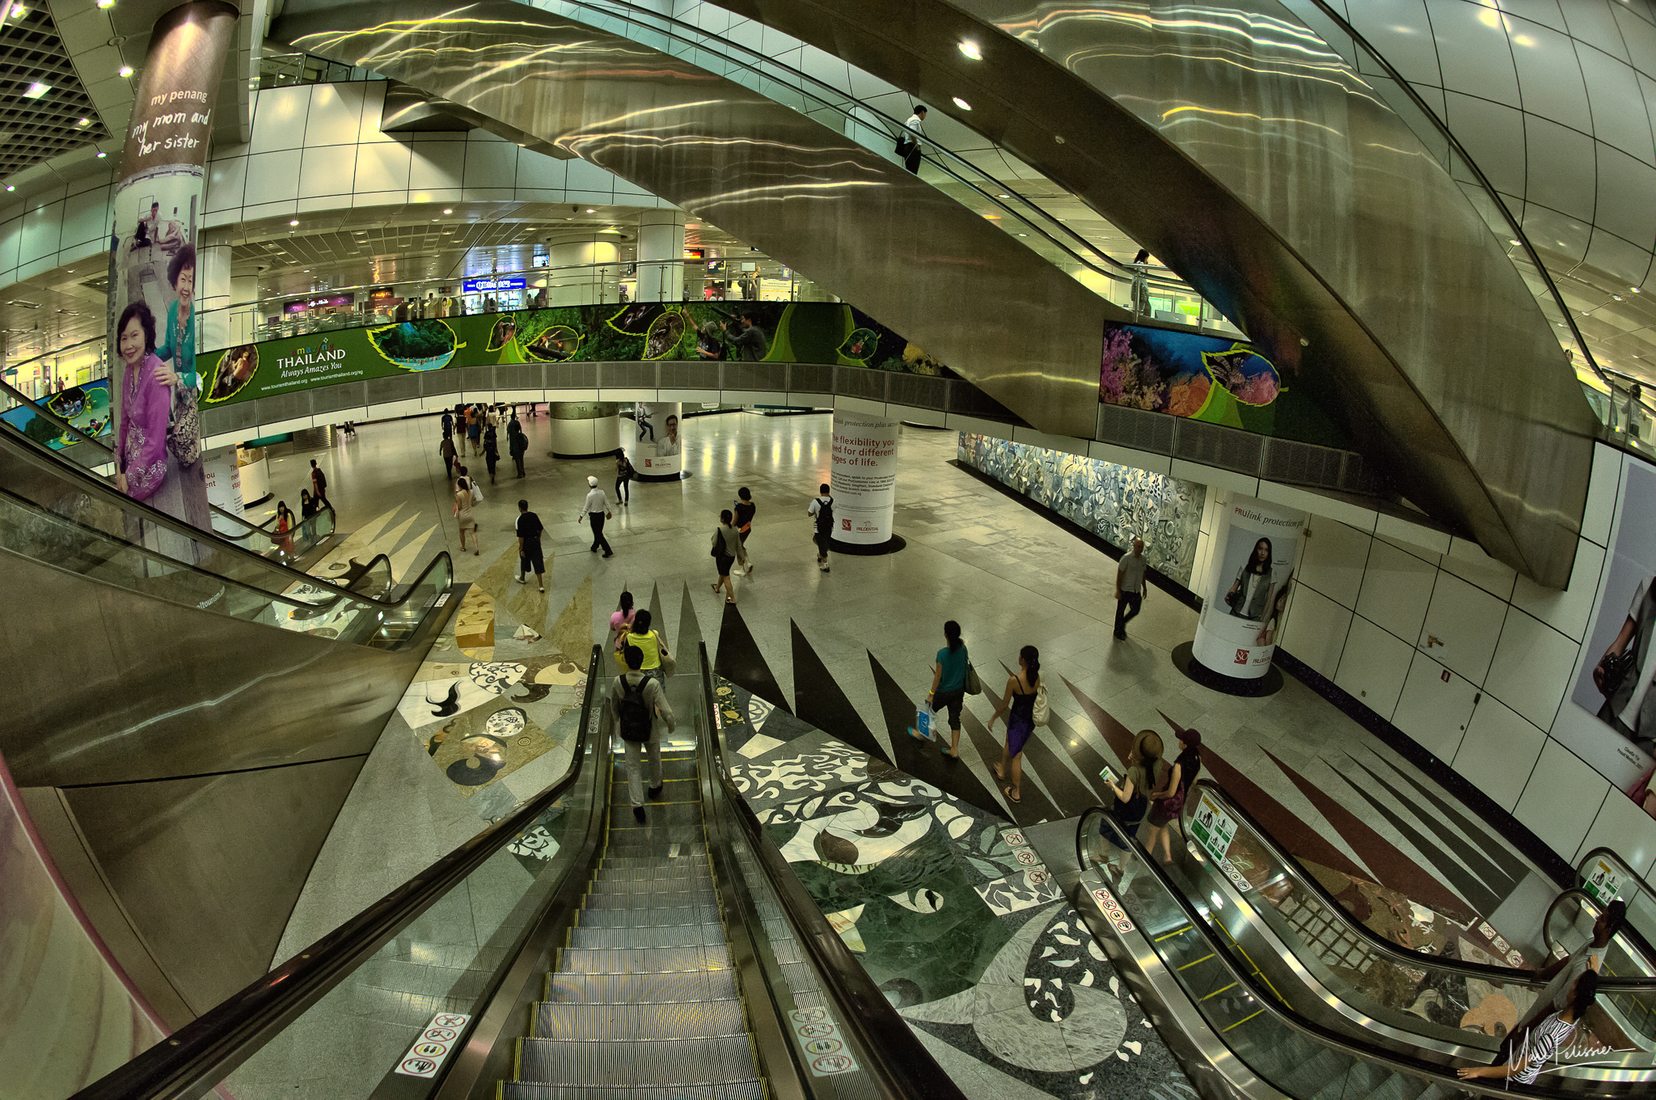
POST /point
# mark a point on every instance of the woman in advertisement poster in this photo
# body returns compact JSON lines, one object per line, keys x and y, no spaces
{"x":1249,"y":595}
{"x":1624,"y":673}
{"x":154,"y":443}
{"x":178,"y":345}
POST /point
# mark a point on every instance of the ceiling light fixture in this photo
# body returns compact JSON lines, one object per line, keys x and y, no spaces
{"x":105,"y":5}
{"x":1512,"y":242}
{"x":11,"y":187}
{"x":102,"y":154}
{"x":962,"y":104}
{"x":591,"y":210}
{"x":19,"y":11}
{"x":293,"y":221}
{"x":1618,"y":297}
{"x":84,"y":123}
{"x":37,"y":90}
{"x":1634,"y":289}
{"x":971,"y":49}
{"x":125,"y":70}
{"x":448,"y":209}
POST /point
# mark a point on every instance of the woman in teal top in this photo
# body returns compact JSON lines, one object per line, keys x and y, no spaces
{"x":177,"y":345}
{"x":949,"y":682}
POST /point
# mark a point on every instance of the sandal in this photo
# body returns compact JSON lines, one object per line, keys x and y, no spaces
{"x":1013,"y":795}
{"x":1000,"y":775}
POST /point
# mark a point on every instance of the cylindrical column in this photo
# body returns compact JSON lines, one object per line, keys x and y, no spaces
{"x":154,"y":270}
{"x":582,"y":273}
{"x":654,"y":440}
{"x":214,"y":294}
{"x":1249,"y":572}
{"x":582,"y":429}
{"x":863,"y":480}
{"x":661,"y":256}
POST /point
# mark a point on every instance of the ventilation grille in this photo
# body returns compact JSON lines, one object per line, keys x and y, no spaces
{"x":1135,"y":428}
{"x":1225,"y":448}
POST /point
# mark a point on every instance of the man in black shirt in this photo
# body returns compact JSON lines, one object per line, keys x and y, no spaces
{"x":529,"y":546}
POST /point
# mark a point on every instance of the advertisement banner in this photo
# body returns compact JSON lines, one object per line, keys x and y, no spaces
{"x":1612,"y":722}
{"x":152,"y":266}
{"x":863,"y":477}
{"x":85,"y":407}
{"x":657,"y":448}
{"x":1236,"y":634}
{"x":792,"y":332}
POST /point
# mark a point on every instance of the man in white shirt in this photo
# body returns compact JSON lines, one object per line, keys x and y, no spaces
{"x":636,"y":708}
{"x":595,"y":511}
{"x":915,"y":134}
{"x":1129,"y":588}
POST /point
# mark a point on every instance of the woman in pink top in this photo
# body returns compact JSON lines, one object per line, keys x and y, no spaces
{"x":621,"y":620}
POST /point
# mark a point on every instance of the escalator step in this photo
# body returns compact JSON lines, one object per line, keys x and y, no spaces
{"x":622,"y":859}
{"x":672,"y":767}
{"x":678,"y":890}
{"x":599,"y":899}
{"x":608,"y":989}
{"x":730,"y":1090}
{"x":692,"y":1020}
{"x":675,"y":1062}
{"x":655,"y":869}
{"x":652,"y":917}
{"x":685,"y":935}
{"x":677,"y":818}
{"x":656,"y":960}
{"x":690,"y":877}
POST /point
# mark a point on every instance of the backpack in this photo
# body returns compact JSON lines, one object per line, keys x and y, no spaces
{"x":825,"y":517}
{"x":633,"y":711}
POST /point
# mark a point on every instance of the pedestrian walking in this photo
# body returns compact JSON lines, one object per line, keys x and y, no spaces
{"x":319,"y":485}
{"x":911,"y":143}
{"x":595,"y":511}
{"x":950,"y":675}
{"x":446,"y":449}
{"x":1562,"y":974}
{"x":1017,"y":705}
{"x":1141,"y":284}
{"x":1167,"y":801}
{"x":448,"y":422}
{"x":517,"y":443}
{"x":624,"y":472}
{"x":284,"y":528}
{"x":620,"y":624}
{"x":474,"y":431}
{"x":821,"y":512}
{"x":744,"y":510}
{"x":463,"y":514}
{"x":1129,"y":588}
{"x":1530,"y":1048}
{"x":727,"y":550}
{"x":530,"y":555}
{"x":491,"y":452}
{"x":637,"y":708}
{"x":307,"y":505}
{"x":649,"y":642}
{"x":1147,"y":772}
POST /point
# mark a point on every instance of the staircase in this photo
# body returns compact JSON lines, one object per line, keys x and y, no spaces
{"x":643,"y":1002}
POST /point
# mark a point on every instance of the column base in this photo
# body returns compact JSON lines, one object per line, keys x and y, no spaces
{"x":1185,"y":661}
{"x":868,"y":549}
{"x":577,"y":454}
{"x":682,"y":475}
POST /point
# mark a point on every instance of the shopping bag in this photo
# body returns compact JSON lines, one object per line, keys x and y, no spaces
{"x":922,"y":730}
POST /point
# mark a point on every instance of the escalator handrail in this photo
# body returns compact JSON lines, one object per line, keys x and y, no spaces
{"x":1627,"y":932}
{"x":1269,"y":1002}
{"x":901,"y":1063}
{"x":1403,"y":955}
{"x":204,"y":1051}
{"x":100,"y":487}
{"x":1484,"y":181}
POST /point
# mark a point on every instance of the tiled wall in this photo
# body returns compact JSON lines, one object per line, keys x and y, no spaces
{"x":316,"y":149}
{"x":1472,"y":662}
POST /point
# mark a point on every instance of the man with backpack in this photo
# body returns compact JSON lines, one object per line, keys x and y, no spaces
{"x":517,"y":444}
{"x":822,"y":512}
{"x":319,"y":485}
{"x":635,"y":705}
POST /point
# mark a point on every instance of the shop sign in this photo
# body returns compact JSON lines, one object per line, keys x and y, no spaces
{"x":493,"y":284}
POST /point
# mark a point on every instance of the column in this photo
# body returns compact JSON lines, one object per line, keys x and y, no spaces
{"x":661,"y":256}
{"x":214,"y":294}
{"x":582,"y":273}
{"x":155,"y":270}
{"x":1244,"y":587}
{"x":863,"y":480}
{"x":654,"y":440}
{"x":583,"y":429}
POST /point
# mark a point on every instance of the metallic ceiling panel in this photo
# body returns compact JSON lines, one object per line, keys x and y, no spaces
{"x":857,"y":223}
{"x":1248,"y":157}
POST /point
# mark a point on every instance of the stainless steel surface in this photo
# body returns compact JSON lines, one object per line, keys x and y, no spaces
{"x":855,"y":222}
{"x":1244,"y":153}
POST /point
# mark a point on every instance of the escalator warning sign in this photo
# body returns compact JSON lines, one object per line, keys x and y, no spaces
{"x":818,"y":1036}
{"x":430,"y":1050}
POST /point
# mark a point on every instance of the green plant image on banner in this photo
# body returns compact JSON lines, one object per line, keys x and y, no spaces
{"x":791,"y":332}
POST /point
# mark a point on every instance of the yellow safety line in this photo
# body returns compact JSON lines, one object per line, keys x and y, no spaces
{"x":1193,"y":962}
{"x":1242,"y":1021}
{"x":1216,"y":992}
{"x":1170,"y":935}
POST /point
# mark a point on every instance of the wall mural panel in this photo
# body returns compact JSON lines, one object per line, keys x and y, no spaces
{"x":1114,"y":502}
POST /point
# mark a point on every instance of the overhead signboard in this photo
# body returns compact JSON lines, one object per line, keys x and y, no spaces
{"x":493,"y":284}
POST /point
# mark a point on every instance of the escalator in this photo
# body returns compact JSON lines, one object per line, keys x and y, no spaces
{"x":571,"y":951}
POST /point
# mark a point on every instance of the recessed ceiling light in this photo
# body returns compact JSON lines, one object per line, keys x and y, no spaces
{"x":962,"y":104}
{"x":448,"y":209}
{"x":36,"y":90}
{"x":126,"y":70}
{"x":11,"y":187}
{"x":1634,"y":289}
{"x":19,"y":11}
{"x":591,"y":210}
{"x":1618,"y":297}
{"x":102,"y":154}
{"x":293,"y":221}
{"x":970,"y":49}
{"x":106,"y":4}
{"x":84,"y":123}
{"x":1512,"y":242}
{"x":1023,"y":234}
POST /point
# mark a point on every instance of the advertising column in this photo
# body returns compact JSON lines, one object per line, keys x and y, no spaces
{"x":653,"y":440}
{"x":153,"y":266}
{"x":863,"y":478}
{"x":1255,"y":547}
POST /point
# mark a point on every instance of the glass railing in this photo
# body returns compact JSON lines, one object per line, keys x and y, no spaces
{"x":1004,"y":204}
{"x":280,"y":69}
{"x":1625,"y":419}
{"x":1138,"y":912}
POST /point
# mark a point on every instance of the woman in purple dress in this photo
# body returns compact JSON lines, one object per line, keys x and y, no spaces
{"x":1018,"y":704}
{"x":147,"y":467}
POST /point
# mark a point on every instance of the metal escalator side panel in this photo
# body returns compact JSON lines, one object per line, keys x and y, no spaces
{"x":850,"y":219}
{"x":1244,"y":153}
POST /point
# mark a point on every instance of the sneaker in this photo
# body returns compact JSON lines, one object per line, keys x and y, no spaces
{"x":638,"y":814}
{"x":521,"y":580}
{"x":825,"y":569}
{"x":609,"y":553}
{"x":655,"y":792}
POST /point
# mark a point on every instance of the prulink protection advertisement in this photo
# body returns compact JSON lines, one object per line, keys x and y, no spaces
{"x":1236,"y":635}
{"x":153,"y":268}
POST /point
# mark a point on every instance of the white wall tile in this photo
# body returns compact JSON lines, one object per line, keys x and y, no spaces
{"x":1466,"y":621}
{"x":1435,"y":707}
{"x":1564,"y":179}
{"x":539,"y":170}
{"x":1373,"y":666}
{"x":1498,"y":751}
{"x":1561,"y":798}
{"x":42,"y":227}
{"x":279,"y":118}
{"x":1592,"y":22}
{"x":1474,"y":55}
{"x":584,"y":176}
{"x":1624,"y":828}
{"x":1316,"y":629}
{"x":1566,"y":611}
{"x":1551,"y":79}
{"x":11,"y":240}
{"x":490,"y":164}
{"x":335,"y":116}
{"x":1397,"y":588}
{"x":1420,"y":539}
{"x":226,"y":177}
{"x":272,"y":178}
{"x":86,"y":218}
{"x":1532,"y":668}
{"x":383,"y":167}
{"x":1468,"y":561}
{"x":1601,"y":494}
{"x":327,"y":170}
{"x":436,"y":165}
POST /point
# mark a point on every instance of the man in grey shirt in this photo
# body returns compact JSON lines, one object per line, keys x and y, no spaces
{"x":1129,"y":588}
{"x":749,"y":342}
{"x":596,"y":510}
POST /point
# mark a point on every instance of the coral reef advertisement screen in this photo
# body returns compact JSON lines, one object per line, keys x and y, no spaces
{"x":791,"y":332}
{"x":1208,"y":378}
{"x":85,"y":406}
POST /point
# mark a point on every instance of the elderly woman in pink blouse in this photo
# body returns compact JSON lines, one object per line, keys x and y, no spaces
{"x":147,"y":469}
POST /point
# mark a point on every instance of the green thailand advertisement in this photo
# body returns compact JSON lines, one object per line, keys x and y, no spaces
{"x":790,"y":332}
